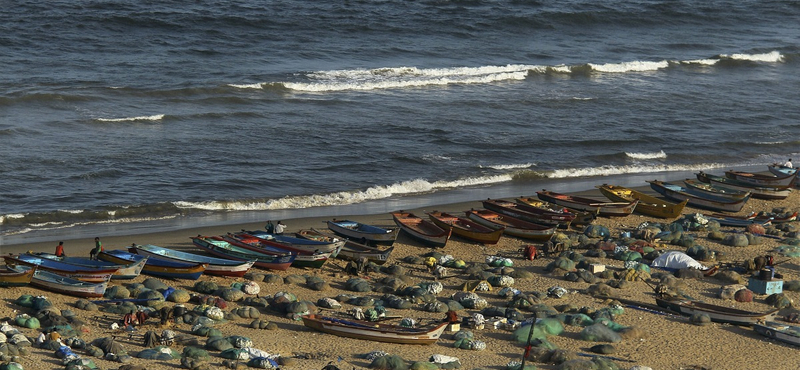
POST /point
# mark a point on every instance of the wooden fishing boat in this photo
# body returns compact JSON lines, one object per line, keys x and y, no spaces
{"x":353,"y":250}
{"x":424,"y":231}
{"x":228,"y":251}
{"x":529,"y":213}
{"x":286,"y":241}
{"x":648,"y":205}
{"x":760,"y":179}
{"x":466,"y":228}
{"x":216,"y":266}
{"x":760,"y":192}
{"x":719,"y":314}
{"x":779,"y":331}
{"x":512,"y":226}
{"x":364,"y":233}
{"x":61,"y":284}
{"x":700,"y":188}
{"x":781,"y":170}
{"x":760,"y":217}
{"x":82,"y":273}
{"x":374,"y":331}
{"x":736,"y":221}
{"x":303,"y":258}
{"x":607,"y":209}
{"x":678,"y":193}
{"x":156,"y":266}
{"x":581,"y":217}
{"x":124,"y":272}
{"x":12,"y":278}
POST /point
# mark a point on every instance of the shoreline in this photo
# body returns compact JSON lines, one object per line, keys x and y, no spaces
{"x":660,"y":342}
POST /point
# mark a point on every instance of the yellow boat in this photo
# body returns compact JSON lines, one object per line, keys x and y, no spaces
{"x":648,"y":205}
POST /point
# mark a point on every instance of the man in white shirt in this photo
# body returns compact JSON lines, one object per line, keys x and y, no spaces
{"x":788,"y":164}
{"x":279,"y":228}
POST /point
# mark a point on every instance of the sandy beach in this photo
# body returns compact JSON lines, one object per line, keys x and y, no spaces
{"x":661,"y":341}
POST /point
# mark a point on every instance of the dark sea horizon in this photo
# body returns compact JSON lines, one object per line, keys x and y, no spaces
{"x":129,"y":117}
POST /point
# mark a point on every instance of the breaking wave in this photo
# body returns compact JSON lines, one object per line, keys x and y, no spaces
{"x":156,"y":117}
{"x":655,"y":155}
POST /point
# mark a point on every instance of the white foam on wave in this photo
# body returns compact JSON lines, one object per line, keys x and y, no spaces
{"x":654,"y":155}
{"x":416,"y":186}
{"x":259,"y":85}
{"x":771,"y":57}
{"x":512,"y":166}
{"x":621,"y":170}
{"x":400,"y":77}
{"x":156,"y":117}
{"x":705,"y":62}
{"x":635,"y":66}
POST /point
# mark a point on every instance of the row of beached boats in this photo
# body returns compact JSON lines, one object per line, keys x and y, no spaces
{"x":232,"y":255}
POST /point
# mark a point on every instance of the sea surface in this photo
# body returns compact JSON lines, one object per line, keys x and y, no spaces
{"x":134,"y":116}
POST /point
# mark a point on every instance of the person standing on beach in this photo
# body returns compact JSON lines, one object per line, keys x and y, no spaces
{"x":280,"y":228}
{"x":60,"y":250}
{"x":97,"y":249}
{"x":270,"y":227}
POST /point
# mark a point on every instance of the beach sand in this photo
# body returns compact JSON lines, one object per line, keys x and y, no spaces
{"x":667,"y":341}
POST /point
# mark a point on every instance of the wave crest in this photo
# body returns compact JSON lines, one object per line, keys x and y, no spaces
{"x":655,"y":155}
{"x":156,"y":117}
{"x":771,"y":57}
{"x":635,"y":66}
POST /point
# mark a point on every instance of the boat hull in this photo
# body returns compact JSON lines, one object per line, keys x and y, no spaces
{"x":218,"y":267}
{"x":675,"y":193}
{"x":268,"y":261}
{"x":511,"y":226}
{"x":303,"y":258}
{"x":125,"y":272}
{"x":607,"y":209}
{"x":13,"y":278}
{"x":374,"y":332}
{"x":64,"y":285}
{"x":89,"y":275}
{"x":779,"y":331}
{"x":421,"y":230}
{"x":648,"y":205}
{"x":716,"y":313}
{"x":362,"y":232}
{"x":757,"y":179}
{"x":466,"y":228}
{"x":759,"y":192}
{"x":157,"y":266}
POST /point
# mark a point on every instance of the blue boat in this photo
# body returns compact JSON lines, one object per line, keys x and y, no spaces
{"x":156,"y":266}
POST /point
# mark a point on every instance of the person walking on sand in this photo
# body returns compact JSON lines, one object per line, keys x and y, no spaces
{"x":60,"y":250}
{"x":270,"y":227}
{"x":98,"y":247}
{"x":280,"y":228}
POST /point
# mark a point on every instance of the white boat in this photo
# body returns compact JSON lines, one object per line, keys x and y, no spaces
{"x":779,"y":331}
{"x":62,"y":284}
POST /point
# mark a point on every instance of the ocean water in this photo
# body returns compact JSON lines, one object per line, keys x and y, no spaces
{"x":128,"y":116}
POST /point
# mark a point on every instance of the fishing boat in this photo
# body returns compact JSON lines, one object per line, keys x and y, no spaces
{"x":223,"y":249}
{"x":466,"y":228}
{"x":353,"y":250}
{"x":760,"y":179}
{"x":216,"y":266}
{"x":678,"y":193}
{"x":760,"y":192}
{"x":512,"y":226}
{"x":762,"y":217}
{"x":374,"y":331}
{"x":781,"y":170}
{"x":12,"y":278}
{"x":291,"y":242}
{"x":61,"y":284}
{"x":779,"y":331}
{"x":303,"y":258}
{"x":720,"y":314}
{"x":424,"y":231}
{"x":364,"y":233}
{"x":607,"y":209}
{"x":529,"y":213}
{"x":700,"y":188}
{"x":156,"y":266}
{"x":82,"y":273}
{"x":736,"y":221}
{"x":124,"y":272}
{"x":648,"y":205}
{"x":581,"y":217}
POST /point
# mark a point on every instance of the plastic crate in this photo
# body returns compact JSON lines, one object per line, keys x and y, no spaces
{"x":765,"y":286}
